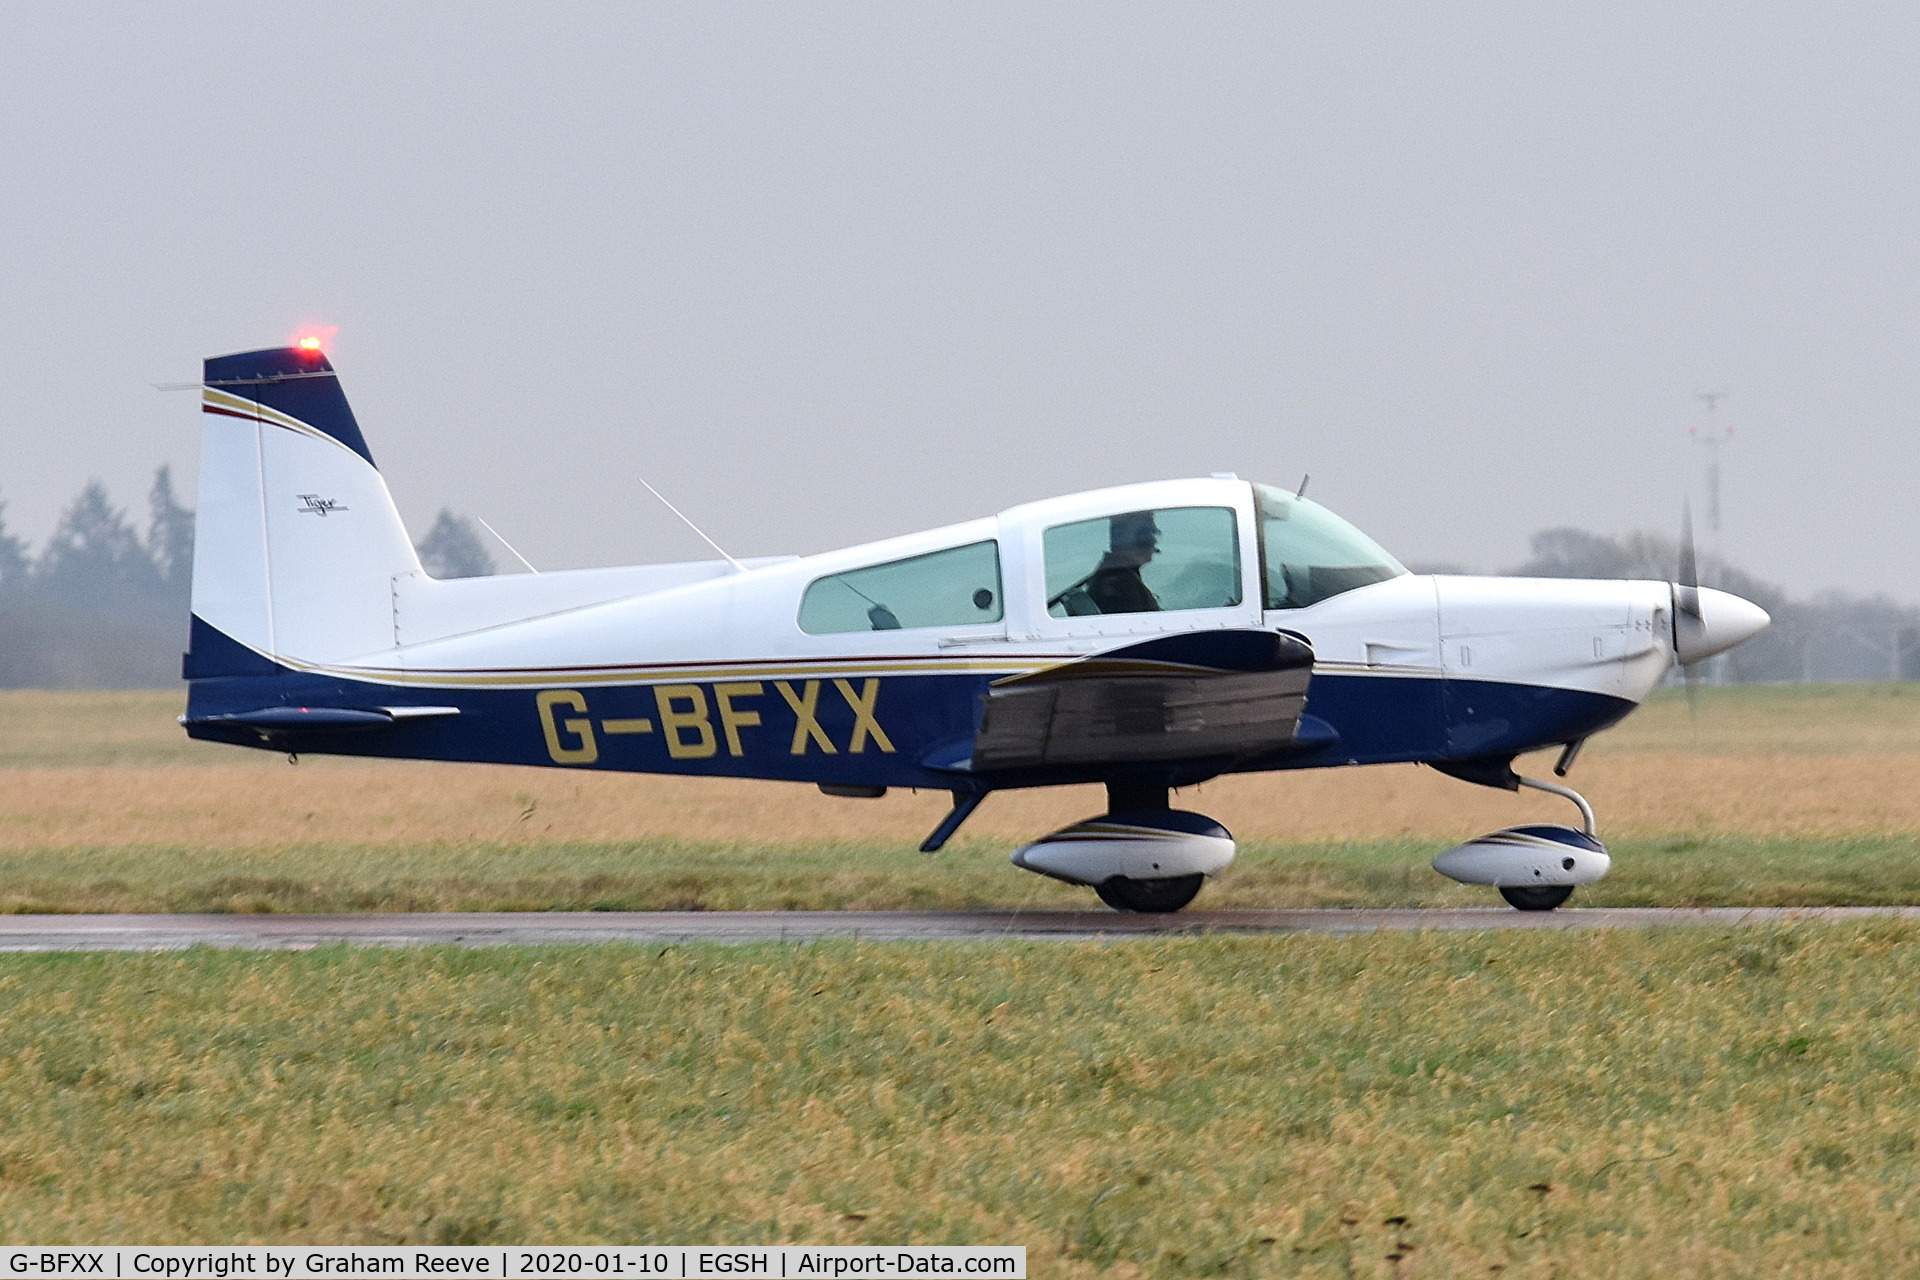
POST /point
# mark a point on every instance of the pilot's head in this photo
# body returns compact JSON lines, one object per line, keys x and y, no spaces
{"x":1133,"y":536}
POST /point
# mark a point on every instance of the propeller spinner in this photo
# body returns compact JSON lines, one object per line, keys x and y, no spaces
{"x":1706,"y":621}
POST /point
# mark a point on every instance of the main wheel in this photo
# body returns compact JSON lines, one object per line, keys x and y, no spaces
{"x":1153,"y":896}
{"x":1536,"y":897}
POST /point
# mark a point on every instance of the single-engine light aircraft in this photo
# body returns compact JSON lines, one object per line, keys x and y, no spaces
{"x":1146,"y":637}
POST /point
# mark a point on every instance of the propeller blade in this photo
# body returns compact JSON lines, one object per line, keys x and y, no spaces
{"x":1686,"y":586}
{"x":1687,"y":614}
{"x":1690,"y":672}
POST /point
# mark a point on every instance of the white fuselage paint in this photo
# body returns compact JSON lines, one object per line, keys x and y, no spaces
{"x":343,"y":593}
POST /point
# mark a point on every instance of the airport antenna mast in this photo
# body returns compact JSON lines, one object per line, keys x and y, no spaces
{"x":1712,"y":437}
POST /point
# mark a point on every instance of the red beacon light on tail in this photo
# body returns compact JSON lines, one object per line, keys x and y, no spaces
{"x":312,"y":341}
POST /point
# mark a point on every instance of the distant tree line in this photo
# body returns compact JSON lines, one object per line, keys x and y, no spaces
{"x":1833,"y":636}
{"x":104,"y":604}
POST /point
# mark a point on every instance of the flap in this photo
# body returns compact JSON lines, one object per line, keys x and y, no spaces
{"x":1182,"y":697}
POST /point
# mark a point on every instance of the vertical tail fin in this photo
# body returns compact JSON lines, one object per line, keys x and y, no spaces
{"x":297,"y":541}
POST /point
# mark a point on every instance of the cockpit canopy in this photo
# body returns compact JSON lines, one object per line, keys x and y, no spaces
{"x":1307,"y":553}
{"x":1187,"y":555}
{"x":1144,"y":562}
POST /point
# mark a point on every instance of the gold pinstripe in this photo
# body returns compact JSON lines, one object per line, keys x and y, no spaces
{"x":213,"y":397}
{"x":768,"y":668}
{"x":773,"y":669}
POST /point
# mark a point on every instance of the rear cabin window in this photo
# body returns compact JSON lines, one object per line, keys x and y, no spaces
{"x":951,"y":588}
{"x":1144,"y":562}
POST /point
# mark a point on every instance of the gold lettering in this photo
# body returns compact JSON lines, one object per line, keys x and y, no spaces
{"x":863,"y":721}
{"x":806,"y":723}
{"x":730,"y":719}
{"x":588,"y":751}
{"x":673,"y":721}
{"x":641,"y":725}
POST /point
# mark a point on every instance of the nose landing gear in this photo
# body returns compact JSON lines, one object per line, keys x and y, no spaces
{"x":1535,"y":867}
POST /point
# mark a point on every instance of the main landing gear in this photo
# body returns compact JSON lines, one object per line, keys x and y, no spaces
{"x":1535,"y":867}
{"x":1535,"y":897}
{"x":1140,"y":855}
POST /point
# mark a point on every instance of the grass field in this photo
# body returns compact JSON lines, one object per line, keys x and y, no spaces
{"x":687,"y":875}
{"x":1691,"y":1102}
{"x":1767,"y":796}
{"x":1701,"y":1103}
{"x":1788,"y":720}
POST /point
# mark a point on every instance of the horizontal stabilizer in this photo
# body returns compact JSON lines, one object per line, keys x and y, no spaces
{"x":310,"y":720}
{"x":1185,"y":697}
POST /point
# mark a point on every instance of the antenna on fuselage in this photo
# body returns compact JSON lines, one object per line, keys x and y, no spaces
{"x":511,"y":549}
{"x":690,"y":524}
{"x":1301,"y":492}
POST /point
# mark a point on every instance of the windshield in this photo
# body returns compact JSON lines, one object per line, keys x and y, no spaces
{"x":1307,"y":553}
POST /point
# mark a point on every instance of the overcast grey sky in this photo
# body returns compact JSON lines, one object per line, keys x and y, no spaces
{"x":829,"y":272}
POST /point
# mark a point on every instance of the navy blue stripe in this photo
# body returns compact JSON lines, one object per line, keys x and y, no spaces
{"x":211,"y":652}
{"x":1361,"y":720}
{"x":297,"y":382}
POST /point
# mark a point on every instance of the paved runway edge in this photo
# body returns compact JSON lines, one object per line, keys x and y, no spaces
{"x":505,"y":928}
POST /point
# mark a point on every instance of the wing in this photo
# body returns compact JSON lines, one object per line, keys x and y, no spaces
{"x":1184,"y":697}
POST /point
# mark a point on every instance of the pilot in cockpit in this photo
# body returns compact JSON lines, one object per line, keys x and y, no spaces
{"x":1115,"y":585}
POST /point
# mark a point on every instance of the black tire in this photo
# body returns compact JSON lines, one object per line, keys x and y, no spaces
{"x":1536,"y":897}
{"x":1155,"y":897}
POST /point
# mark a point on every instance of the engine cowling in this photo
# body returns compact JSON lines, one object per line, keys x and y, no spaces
{"x":1159,"y":844}
{"x":1543,"y":854}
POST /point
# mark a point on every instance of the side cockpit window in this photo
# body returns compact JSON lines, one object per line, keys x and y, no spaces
{"x":951,"y":588}
{"x":1144,"y":562}
{"x":1308,"y":553}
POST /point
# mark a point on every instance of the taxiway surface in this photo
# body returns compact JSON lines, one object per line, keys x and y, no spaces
{"x":502,"y":928}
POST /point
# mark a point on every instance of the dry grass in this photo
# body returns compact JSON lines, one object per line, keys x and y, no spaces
{"x":109,"y":770}
{"x":1700,"y":1103}
{"x":41,"y":728}
{"x":235,"y":806}
{"x":108,"y":808}
{"x":1787,"y":719}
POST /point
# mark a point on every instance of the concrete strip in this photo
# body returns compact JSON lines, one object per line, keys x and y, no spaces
{"x":505,"y":928}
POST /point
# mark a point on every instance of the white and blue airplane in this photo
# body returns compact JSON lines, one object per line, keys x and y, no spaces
{"x":1146,"y":637}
